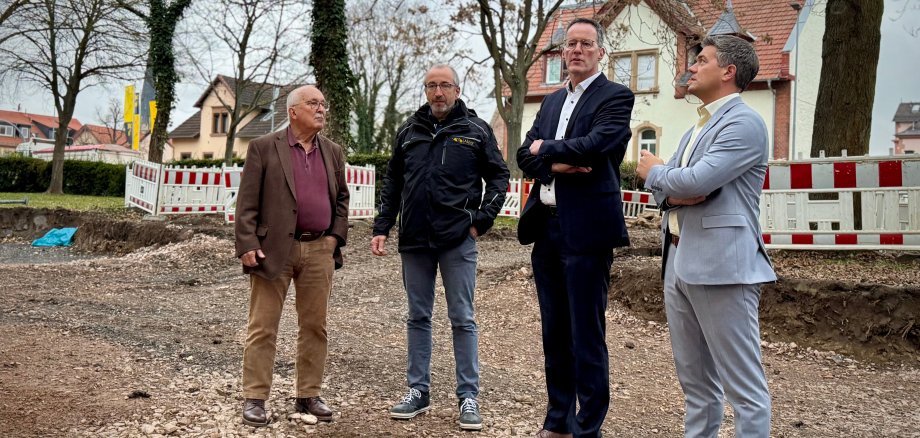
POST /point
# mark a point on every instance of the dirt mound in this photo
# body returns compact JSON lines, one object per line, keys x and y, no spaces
{"x":122,"y":237}
{"x":869,"y":321}
{"x":113,"y":233}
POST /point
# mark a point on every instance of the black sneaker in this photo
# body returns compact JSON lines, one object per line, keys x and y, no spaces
{"x":469,"y":414}
{"x":415,"y":402}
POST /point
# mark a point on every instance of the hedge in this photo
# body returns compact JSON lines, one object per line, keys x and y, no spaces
{"x":629,"y":179}
{"x":237,"y":161}
{"x":32,"y":175}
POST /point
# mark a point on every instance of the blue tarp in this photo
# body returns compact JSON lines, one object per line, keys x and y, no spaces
{"x":56,"y":237}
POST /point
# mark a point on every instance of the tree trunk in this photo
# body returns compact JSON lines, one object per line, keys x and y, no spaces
{"x":329,"y":59}
{"x":514,"y":128}
{"x":392,"y":117}
{"x":161,"y":23}
{"x":56,"y":187}
{"x":159,"y":135}
{"x":231,"y":134}
{"x":843,"y":110}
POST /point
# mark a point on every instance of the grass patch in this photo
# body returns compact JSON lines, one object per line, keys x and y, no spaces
{"x":505,"y":223}
{"x":68,"y":202}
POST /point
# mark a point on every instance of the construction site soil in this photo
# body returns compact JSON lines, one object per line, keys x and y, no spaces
{"x":137,"y":330}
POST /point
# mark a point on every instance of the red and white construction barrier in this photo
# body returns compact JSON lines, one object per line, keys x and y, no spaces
{"x":191,"y":190}
{"x":231,"y":182}
{"x":361,"y":183}
{"x":795,"y":214}
{"x":159,"y":189}
{"x":634,"y":203}
{"x":512,"y":206}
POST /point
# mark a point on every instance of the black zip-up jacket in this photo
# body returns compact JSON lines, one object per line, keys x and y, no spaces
{"x":434,"y":180}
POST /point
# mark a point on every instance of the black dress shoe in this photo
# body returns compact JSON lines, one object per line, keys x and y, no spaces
{"x":254,"y":413}
{"x":314,"y":406}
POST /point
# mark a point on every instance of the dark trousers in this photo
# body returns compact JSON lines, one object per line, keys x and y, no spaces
{"x":572,"y":290}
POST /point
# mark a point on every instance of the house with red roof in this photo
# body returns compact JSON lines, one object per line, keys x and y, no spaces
{"x":18,"y":127}
{"x":907,"y":128}
{"x":650,"y":45}
{"x":98,"y":134}
{"x":204,"y":134}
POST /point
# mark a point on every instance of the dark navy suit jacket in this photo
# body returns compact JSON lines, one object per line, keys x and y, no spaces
{"x":589,"y":204}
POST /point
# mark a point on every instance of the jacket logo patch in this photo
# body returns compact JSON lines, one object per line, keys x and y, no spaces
{"x":464,"y":140}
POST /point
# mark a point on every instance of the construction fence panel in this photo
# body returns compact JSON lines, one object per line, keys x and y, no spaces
{"x":141,"y":184}
{"x":191,"y":190}
{"x":361,"y":182}
{"x":844,"y":203}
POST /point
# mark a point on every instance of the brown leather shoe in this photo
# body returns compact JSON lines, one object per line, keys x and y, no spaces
{"x":543,"y":433}
{"x":254,"y":413}
{"x":314,"y":406}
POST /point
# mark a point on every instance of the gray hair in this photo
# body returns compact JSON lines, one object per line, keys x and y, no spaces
{"x":597,"y":27}
{"x":732,"y":50}
{"x":454,"y":72}
{"x":292,"y":97}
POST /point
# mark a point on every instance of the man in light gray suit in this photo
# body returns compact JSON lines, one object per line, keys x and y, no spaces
{"x":714,"y":257}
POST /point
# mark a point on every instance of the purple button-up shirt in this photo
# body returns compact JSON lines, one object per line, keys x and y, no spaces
{"x":314,"y":211}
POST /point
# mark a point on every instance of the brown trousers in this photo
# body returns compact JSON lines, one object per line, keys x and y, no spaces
{"x":310,"y":267}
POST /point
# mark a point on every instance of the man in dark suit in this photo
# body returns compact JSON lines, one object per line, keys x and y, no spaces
{"x":574,"y":217}
{"x":292,"y":220}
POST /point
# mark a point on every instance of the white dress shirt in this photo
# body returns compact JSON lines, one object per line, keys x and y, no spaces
{"x":548,"y":191}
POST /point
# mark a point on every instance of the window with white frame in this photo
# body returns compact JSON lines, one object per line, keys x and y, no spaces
{"x":7,"y":131}
{"x":25,"y":132}
{"x":553,"y":69}
{"x":636,"y":70}
{"x":648,"y":141}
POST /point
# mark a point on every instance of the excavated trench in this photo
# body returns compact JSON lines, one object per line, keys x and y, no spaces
{"x":870,"y":321}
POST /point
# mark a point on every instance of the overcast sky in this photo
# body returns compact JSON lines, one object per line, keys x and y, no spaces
{"x":898,"y":81}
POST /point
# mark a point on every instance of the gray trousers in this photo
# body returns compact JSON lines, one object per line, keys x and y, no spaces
{"x":715,"y":336}
{"x":458,"y":272}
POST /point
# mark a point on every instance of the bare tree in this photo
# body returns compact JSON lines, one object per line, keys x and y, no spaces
{"x":65,"y":46}
{"x":9,"y":7}
{"x":110,"y":117}
{"x":391,"y":44}
{"x":511,"y":31}
{"x":262,"y":42}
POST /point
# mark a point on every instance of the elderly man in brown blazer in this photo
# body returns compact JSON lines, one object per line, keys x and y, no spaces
{"x":292,"y":220}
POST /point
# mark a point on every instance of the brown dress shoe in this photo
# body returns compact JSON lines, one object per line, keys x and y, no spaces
{"x":543,"y":433}
{"x":314,"y":406}
{"x":254,"y":413}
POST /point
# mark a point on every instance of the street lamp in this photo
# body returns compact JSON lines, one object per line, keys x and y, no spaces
{"x":795,"y":90}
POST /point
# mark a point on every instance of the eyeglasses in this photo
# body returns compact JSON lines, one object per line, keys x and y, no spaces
{"x":315,"y":104}
{"x":585,"y":44}
{"x":446,"y":86}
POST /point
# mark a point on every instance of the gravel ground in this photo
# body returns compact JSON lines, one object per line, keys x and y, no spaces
{"x":150,"y":344}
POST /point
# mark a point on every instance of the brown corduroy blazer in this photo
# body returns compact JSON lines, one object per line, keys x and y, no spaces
{"x":266,"y":207}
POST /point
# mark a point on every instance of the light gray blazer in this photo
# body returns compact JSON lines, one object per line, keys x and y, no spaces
{"x":720,"y":238}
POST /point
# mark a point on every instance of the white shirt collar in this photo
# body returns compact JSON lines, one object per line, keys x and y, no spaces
{"x":715,"y":105}
{"x":583,"y":85}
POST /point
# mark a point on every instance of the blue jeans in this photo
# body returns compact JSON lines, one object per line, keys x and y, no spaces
{"x":458,"y":272}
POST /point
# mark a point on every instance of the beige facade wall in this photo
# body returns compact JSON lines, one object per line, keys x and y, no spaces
{"x":807,"y":77}
{"x":209,"y":142}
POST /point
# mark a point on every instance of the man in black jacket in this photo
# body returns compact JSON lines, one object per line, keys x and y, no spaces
{"x":433,"y":184}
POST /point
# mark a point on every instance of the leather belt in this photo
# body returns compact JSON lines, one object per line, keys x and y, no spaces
{"x":675,"y":239}
{"x":308,"y":236}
